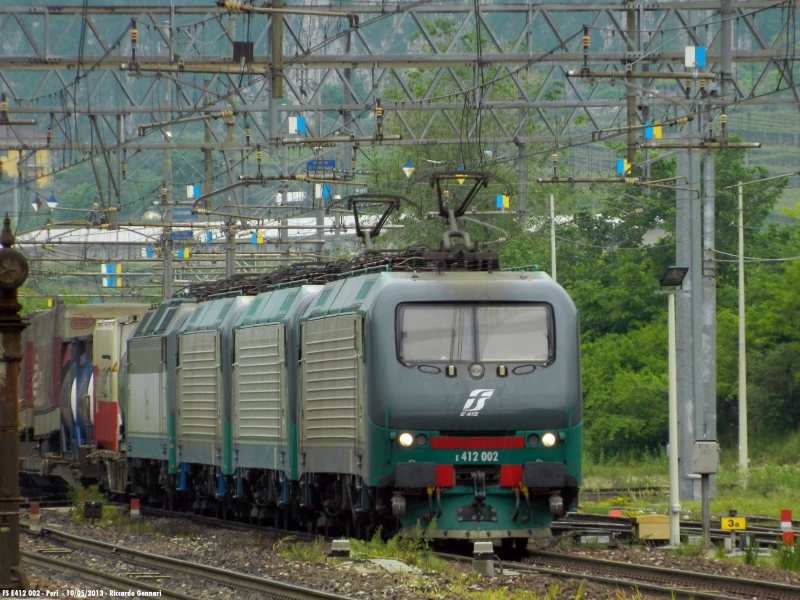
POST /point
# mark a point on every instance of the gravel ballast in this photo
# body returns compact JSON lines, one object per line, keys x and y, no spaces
{"x":259,"y":553}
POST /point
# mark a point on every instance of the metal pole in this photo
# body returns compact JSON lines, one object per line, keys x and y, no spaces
{"x":276,"y":79}
{"x":697,"y":398}
{"x":230,"y":250}
{"x":120,"y":140}
{"x":708,"y":409}
{"x":684,"y":330}
{"x":208,"y":182}
{"x":276,"y":51}
{"x":166,"y":168}
{"x":706,"y":511}
{"x":283,"y":232}
{"x":553,"y":238}
{"x":13,"y":272}
{"x":726,"y":46}
{"x":742,"y":356}
{"x":522,"y":165}
{"x":674,"y":484}
{"x":630,"y":96}
{"x":348,"y":151}
{"x":166,"y":283}
{"x":523,"y":183}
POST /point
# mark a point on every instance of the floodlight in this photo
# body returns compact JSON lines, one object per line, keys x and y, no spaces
{"x":672,"y":276}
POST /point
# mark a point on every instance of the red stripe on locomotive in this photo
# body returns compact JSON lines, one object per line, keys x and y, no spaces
{"x":477,"y":443}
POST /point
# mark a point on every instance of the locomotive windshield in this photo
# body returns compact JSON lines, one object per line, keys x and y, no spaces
{"x":474,"y":333}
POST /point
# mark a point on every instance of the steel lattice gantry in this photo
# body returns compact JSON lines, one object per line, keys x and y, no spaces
{"x":74,"y":71}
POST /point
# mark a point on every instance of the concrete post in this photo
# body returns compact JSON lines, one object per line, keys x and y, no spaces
{"x":13,"y":273}
{"x":708,"y":430}
{"x":684,"y":337}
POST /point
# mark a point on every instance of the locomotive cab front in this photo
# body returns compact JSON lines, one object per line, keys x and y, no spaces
{"x":475,"y":378}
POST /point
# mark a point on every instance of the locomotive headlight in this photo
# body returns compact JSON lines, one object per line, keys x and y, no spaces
{"x":548,"y":439}
{"x":405,"y":439}
{"x":476,"y":370}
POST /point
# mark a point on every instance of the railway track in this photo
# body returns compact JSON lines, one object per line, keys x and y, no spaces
{"x":680,"y":584}
{"x":157,"y":512}
{"x":95,"y":577}
{"x":626,"y":577}
{"x":163,"y":568}
{"x":677,"y":584}
{"x":579,"y":523}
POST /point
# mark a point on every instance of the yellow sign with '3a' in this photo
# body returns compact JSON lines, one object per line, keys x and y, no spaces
{"x":734,"y":523}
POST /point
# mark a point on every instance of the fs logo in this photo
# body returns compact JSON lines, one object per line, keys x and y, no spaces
{"x":475,"y":402}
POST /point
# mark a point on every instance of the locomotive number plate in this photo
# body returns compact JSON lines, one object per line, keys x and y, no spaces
{"x":475,"y":456}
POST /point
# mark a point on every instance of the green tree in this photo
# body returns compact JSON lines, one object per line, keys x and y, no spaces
{"x":626,"y":391}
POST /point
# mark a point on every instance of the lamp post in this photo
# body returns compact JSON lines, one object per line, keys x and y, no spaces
{"x":673,"y":277}
{"x":742,"y":346}
{"x":13,"y":272}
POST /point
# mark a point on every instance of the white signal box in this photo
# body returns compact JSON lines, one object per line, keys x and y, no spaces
{"x":705,"y":458}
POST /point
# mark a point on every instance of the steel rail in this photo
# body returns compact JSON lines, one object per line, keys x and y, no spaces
{"x":695,"y":581}
{"x":95,"y":576}
{"x":232,"y":578}
{"x":644,"y":578}
{"x":676,"y":593}
{"x":146,"y":510}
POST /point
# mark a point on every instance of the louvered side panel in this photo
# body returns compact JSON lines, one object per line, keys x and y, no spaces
{"x":258,"y":400}
{"x":330,"y":372}
{"x":146,"y":404}
{"x":198,"y":396}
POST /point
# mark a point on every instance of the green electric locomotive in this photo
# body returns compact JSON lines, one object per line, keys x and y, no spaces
{"x":425,"y":392}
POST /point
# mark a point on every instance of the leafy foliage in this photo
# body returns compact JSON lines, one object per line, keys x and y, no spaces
{"x":626,"y":391}
{"x":788,"y":557}
{"x":414,"y":551}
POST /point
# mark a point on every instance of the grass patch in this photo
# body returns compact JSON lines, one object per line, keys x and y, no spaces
{"x":645,"y":470}
{"x":505,"y":594}
{"x":689,"y":550}
{"x":771,"y":483}
{"x":751,"y":553}
{"x":290,"y":549}
{"x":788,"y":557}
{"x":77,"y":495}
{"x":414,"y":551}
